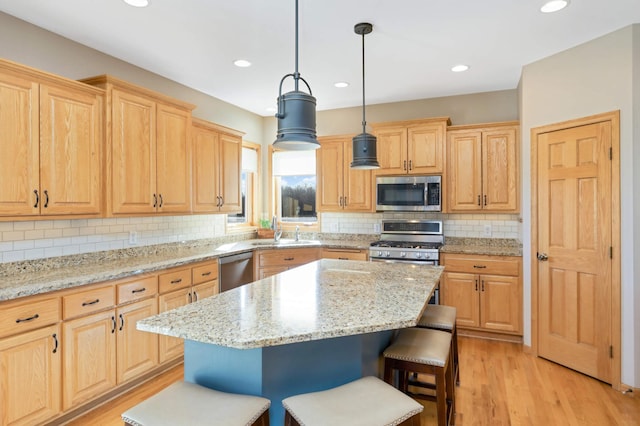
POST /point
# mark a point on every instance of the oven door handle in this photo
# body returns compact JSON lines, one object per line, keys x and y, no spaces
{"x":415,"y":262}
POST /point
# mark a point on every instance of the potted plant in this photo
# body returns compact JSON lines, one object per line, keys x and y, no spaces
{"x":264,"y":230}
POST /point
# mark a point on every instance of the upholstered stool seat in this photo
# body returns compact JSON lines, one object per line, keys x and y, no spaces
{"x":185,"y":403}
{"x":364,"y":402}
{"x":424,"y":351}
{"x":440,"y":317}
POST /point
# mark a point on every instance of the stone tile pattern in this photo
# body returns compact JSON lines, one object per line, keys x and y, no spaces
{"x":319,"y":300}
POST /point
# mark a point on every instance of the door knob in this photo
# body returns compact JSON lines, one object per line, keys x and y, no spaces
{"x":543,"y":257}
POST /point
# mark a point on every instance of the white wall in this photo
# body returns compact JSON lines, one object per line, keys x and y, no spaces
{"x":593,"y":78}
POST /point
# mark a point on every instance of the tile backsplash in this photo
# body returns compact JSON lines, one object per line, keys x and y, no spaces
{"x":40,"y":239}
{"x":455,"y":225}
{"x":50,"y":238}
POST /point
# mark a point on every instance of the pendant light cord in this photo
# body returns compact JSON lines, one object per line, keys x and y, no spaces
{"x":364,"y":121}
{"x":296,"y":75}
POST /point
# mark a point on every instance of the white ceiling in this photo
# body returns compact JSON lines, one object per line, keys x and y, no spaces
{"x":408,"y":56}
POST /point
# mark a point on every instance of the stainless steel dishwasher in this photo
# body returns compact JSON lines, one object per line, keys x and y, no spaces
{"x":235,"y":270}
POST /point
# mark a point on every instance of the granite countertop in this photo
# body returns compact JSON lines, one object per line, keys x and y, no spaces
{"x":485,"y":246}
{"x":322,"y":299}
{"x":47,"y":275}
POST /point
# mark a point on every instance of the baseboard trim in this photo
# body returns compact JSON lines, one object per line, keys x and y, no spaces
{"x":489,"y":335}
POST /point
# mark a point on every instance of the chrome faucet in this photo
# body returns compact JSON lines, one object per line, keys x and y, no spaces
{"x":297,"y":233}
{"x":274,"y":225}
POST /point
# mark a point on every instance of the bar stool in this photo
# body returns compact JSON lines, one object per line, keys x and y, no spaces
{"x":424,"y":351}
{"x":364,"y":402}
{"x":441,"y":317}
{"x":185,"y":403}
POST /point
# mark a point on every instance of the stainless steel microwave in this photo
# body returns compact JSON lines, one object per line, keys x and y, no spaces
{"x":409,"y":193}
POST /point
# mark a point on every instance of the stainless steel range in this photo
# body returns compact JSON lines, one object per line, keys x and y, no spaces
{"x":411,"y":241}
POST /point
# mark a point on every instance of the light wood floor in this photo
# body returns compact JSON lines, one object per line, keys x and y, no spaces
{"x":500,"y":385}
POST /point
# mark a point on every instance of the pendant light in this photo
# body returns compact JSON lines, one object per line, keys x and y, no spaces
{"x":296,"y":113}
{"x":364,"y":144}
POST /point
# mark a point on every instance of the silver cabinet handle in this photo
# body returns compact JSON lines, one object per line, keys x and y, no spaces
{"x":543,"y":257}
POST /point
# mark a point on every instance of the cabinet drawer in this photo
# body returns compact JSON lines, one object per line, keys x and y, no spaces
{"x":174,"y":280}
{"x":140,"y":288}
{"x":475,"y":264}
{"x":288,"y":257}
{"x":203,"y":273}
{"x":17,"y":317}
{"x":89,"y":301}
{"x":345,"y":254}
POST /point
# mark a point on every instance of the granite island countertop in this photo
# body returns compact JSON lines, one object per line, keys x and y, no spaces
{"x":322,"y":299}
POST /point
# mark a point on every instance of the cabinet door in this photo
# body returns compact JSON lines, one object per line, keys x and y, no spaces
{"x":137,"y":351}
{"x":500,"y":303}
{"x":330,"y":184}
{"x":70,"y":151}
{"x":206,"y":163}
{"x":357,"y":184}
{"x":391,"y":148}
{"x":464,"y":171}
{"x":89,"y":348}
{"x":425,"y":149}
{"x":461,"y":290}
{"x":19,"y":148}
{"x":173,"y":159}
{"x":204,"y":290}
{"x":172,"y":347}
{"x":30,"y":377}
{"x":133,"y":154}
{"x":500,"y":170}
{"x":229,"y":176}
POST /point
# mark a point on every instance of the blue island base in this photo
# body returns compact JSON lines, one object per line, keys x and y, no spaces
{"x":277,"y":372}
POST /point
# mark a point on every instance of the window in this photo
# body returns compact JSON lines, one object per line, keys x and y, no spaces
{"x":294,"y":186}
{"x":248,"y":185}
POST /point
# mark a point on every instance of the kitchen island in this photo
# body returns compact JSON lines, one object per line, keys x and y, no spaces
{"x":310,"y":328}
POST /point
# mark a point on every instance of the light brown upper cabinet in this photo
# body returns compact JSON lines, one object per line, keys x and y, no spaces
{"x":51,"y":150}
{"x":482,"y":168}
{"x":411,"y":147}
{"x":217,"y":163}
{"x":148,"y":150}
{"x":339,"y":188}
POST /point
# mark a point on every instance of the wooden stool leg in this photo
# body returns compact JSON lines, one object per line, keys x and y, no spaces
{"x":450,"y":390}
{"x":441,"y":397}
{"x":456,"y":360}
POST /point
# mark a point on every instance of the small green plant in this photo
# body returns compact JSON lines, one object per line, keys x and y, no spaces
{"x":265,"y":223}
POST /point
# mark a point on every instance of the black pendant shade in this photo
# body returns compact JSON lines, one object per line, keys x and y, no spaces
{"x":364,"y":144}
{"x":296,"y":113}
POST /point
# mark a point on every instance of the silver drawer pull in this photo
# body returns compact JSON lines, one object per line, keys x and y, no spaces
{"x":93,"y":302}
{"x":19,"y":320}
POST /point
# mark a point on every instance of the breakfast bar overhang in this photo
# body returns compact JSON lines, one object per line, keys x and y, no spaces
{"x":310,"y":328}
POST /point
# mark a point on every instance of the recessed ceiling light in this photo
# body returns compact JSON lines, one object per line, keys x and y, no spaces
{"x":460,"y":68}
{"x":341,"y":84}
{"x":137,"y":3}
{"x":242,"y":63}
{"x":554,"y":6}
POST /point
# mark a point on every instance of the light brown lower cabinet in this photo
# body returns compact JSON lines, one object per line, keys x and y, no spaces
{"x":30,"y":374}
{"x":345,"y":254}
{"x":273,"y":261}
{"x":179,"y":287}
{"x":486,"y":291}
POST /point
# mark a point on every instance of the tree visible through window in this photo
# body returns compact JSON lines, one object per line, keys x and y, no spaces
{"x":294,"y":179}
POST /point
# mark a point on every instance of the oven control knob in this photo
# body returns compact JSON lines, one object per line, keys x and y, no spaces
{"x":403,"y":254}
{"x":379,"y":253}
{"x":418,"y":255}
{"x":387,"y":253}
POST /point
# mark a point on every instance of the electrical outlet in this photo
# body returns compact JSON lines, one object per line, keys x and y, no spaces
{"x":334,"y":227}
{"x":376,"y":228}
{"x":487,"y":230}
{"x":133,"y":237}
